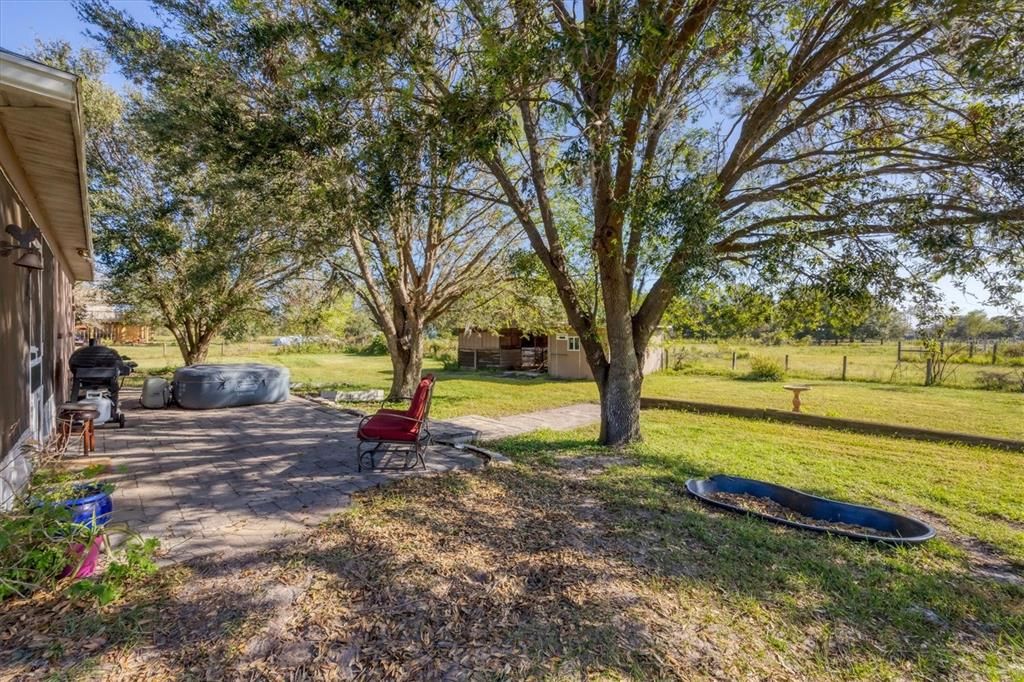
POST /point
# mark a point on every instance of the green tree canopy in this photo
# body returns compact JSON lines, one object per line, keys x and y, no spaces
{"x":198,"y":243}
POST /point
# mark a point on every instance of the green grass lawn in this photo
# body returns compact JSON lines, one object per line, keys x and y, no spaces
{"x":779,"y":603}
{"x":988,"y":413}
{"x":458,"y":393}
{"x":579,"y":562}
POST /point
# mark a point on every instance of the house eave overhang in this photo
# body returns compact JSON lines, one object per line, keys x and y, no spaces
{"x":42,"y":155}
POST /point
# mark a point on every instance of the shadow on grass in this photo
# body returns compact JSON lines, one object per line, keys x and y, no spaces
{"x":174,"y":618}
{"x":908,"y":607}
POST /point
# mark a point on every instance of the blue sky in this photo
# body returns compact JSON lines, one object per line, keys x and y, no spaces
{"x":22,"y":22}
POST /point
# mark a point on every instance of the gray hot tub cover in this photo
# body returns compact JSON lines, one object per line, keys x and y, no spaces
{"x":205,"y":387}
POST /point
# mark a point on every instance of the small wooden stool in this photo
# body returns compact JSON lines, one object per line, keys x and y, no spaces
{"x":797,"y":390}
{"x":71,"y":417}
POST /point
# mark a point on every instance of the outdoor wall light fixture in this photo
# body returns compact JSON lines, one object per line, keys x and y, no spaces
{"x":32,"y":258}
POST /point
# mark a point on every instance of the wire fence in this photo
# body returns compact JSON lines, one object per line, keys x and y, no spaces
{"x":980,"y":365}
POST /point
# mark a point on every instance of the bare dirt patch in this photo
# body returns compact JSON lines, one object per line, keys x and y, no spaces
{"x":585,"y":467}
{"x":983,"y":560}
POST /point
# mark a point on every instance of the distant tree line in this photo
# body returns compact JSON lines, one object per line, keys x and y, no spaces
{"x":815,"y":313}
{"x":976,"y":325}
{"x":799,"y":312}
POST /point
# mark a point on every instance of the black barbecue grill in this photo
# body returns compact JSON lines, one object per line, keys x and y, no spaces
{"x":99,"y":368}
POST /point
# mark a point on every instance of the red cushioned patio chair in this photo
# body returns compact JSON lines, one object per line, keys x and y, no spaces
{"x":401,"y":429}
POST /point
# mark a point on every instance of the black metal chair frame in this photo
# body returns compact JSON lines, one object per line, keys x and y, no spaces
{"x":412,"y":448}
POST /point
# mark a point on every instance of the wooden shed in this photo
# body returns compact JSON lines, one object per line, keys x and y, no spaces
{"x":567,"y":360}
{"x":507,"y":349}
{"x":108,"y":322}
{"x":561,"y":355}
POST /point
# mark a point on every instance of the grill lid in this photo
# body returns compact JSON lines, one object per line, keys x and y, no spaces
{"x":95,"y":356}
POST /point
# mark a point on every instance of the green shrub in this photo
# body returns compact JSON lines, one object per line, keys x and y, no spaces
{"x":1012,"y":350}
{"x":35,"y":547}
{"x":765,"y":369}
{"x":449,"y":361}
{"x":378,"y":346}
{"x":1001,"y":381}
{"x":38,"y":538}
{"x":441,"y":347}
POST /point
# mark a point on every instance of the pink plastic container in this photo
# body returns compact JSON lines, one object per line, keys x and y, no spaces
{"x":88,"y":566}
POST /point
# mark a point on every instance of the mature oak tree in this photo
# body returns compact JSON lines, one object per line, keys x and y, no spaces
{"x":854,"y":140}
{"x":412,"y":227}
{"x":198,"y":245}
{"x":420,"y":240}
{"x":860,"y":142}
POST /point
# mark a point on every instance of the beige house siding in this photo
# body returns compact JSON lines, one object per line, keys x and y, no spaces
{"x":42,"y":185}
{"x":36,"y":319}
{"x":15,"y":293}
{"x":565,"y":363}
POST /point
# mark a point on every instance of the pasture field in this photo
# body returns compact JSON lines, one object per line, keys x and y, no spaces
{"x":870,"y":362}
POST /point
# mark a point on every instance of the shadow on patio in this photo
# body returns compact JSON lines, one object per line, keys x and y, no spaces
{"x":234,"y":479}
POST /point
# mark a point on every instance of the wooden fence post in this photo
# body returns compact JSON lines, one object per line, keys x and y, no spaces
{"x":928,"y":372}
{"x":970,"y":349}
{"x":163,"y":348}
{"x":222,"y":348}
{"x":995,"y":345}
{"x":787,"y":362}
{"x":844,"y":368}
{"x":899,"y":351}
{"x":734,"y":359}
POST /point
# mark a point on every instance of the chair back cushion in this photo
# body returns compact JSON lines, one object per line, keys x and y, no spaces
{"x":421,"y":398}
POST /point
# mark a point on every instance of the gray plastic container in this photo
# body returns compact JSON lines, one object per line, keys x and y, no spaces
{"x":206,"y":387}
{"x":156,"y":393}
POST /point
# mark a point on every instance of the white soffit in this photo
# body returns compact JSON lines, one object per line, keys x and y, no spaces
{"x":42,"y":153}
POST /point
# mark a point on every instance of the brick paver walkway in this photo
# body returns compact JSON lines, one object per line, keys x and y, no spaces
{"x":476,"y":428}
{"x":238,"y":479}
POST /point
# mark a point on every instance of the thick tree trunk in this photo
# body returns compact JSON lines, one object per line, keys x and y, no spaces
{"x":193,"y":349}
{"x":620,"y":401}
{"x":406,"y":352}
{"x":619,"y":379}
{"x":196,"y":354}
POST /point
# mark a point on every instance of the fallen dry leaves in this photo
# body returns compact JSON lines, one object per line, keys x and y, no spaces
{"x":503,"y":574}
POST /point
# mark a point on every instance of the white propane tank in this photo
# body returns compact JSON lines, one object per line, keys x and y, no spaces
{"x":101,"y":402}
{"x":156,"y":393}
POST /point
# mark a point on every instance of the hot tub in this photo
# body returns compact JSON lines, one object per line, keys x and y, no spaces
{"x":206,"y":387}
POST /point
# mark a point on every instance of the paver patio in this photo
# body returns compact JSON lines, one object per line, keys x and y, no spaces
{"x":239,"y":479}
